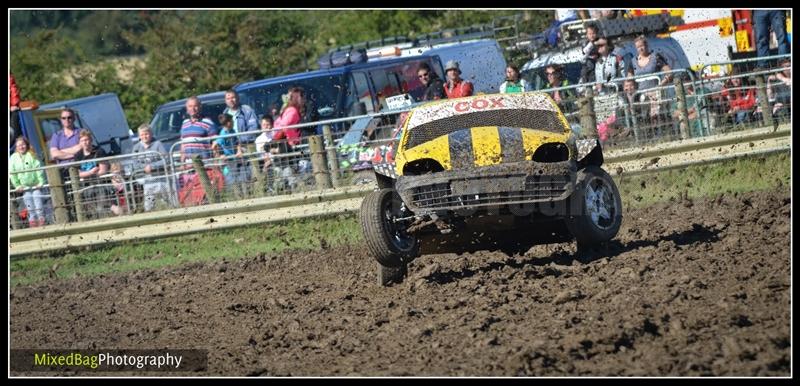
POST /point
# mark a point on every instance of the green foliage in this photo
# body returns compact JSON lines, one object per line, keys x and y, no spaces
{"x":194,"y":52}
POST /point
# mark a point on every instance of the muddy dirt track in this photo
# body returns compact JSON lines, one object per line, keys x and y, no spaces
{"x":687,"y":288}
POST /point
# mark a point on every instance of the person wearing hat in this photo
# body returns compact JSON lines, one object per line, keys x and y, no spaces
{"x":455,"y":86}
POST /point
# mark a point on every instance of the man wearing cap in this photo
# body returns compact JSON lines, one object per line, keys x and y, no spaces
{"x":456,"y":87}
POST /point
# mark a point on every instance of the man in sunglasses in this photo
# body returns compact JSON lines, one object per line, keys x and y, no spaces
{"x":434,"y":87}
{"x":65,"y":143}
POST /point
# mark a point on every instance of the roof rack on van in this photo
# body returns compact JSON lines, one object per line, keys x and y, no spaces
{"x":378,"y":43}
{"x":503,"y":29}
{"x":454,"y":35}
{"x":573,"y":33}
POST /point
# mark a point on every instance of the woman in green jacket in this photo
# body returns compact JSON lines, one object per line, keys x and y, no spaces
{"x":28,"y":183}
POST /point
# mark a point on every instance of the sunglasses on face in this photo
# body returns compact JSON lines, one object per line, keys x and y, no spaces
{"x":68,"y":118}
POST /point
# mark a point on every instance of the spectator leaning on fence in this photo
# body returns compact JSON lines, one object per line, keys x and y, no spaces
{"x":231,"y":150}
{"x":29,"y":183}
{"x":266,"y":134}
{"x":631,"y":110}
{"x":291,"y":114}
{"x":514,"y":83}
{"x":646,"y":63}
{"x":94,"y":198}
{"x":244,"y":117}
{"x":90,"y":169}
{"x":741,"y":100}
{"x":64,"y":143}
{"x":779,"y":91}
{"x":151,"y":165}
{"x":196,"y":127}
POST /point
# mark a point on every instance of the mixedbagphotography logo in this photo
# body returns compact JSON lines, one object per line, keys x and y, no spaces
{"x":108,"y":360}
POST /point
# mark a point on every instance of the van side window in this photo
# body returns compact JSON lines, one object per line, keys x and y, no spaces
{"x":386,"y":84}
{"x":361,"y":91}
{"x":49,"y":127}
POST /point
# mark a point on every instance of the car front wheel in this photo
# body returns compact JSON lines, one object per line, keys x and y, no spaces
{"x":595,"y":207}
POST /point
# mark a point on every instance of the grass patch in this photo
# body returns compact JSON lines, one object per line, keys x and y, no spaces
{"x":229,"y":244}
{"x":741,"y":175}
{"x":738,"y":175}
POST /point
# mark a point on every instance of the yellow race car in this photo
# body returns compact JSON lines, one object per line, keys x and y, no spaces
{"x":482,"y":156}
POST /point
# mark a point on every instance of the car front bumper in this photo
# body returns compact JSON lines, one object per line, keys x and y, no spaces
{"x":497,"y":185}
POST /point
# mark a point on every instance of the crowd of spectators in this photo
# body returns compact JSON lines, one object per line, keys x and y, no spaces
{"x":641,"y":110}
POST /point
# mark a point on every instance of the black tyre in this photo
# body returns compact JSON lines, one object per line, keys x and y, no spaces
{"x":386,"y":239}
{"x":391,"y":275}
{"x":595,"y":207}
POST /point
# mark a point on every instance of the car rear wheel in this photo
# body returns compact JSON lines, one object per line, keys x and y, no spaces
{"x":595,"y":207}
{"x":385,"y":237}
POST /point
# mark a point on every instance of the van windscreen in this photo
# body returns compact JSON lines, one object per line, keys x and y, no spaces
{"x":322,"y":96}
{"x":166,"y":124}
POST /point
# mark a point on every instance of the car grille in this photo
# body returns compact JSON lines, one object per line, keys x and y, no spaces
{"x":537,"y":188}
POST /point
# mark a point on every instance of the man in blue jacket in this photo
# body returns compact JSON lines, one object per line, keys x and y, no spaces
{"x":244,"y":117}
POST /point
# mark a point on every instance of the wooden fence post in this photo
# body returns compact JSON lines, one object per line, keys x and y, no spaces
{"x":683,"y":110}
{"x":318,"y":162}
{"x":75,"y":180}
{"x":333,"y":160}
{"x":763,"y":100}
{"x":588,"y":118}
{"x":211,"y":193}
{"x":57,"y":195}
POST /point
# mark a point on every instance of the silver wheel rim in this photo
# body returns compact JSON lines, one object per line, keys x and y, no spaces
{"x":600,"y":203}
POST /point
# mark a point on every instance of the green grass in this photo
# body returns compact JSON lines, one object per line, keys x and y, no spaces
{"x":740,"y":175}
{"x":225,"y":244}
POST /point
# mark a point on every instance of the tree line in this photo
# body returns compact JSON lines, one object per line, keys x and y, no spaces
{"x":194,"y":52}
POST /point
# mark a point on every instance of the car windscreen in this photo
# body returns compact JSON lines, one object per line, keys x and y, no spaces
{"x":166,"y":123}
{"x":522,"y":118}
{"x":322,"y":96}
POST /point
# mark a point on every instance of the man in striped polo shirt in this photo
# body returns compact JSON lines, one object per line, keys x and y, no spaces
{"x":196,"y":126}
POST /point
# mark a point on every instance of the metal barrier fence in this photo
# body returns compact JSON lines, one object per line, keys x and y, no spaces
{"x":685,"y":108}
{"x":749,"y":96}
{"x":68,"y":196}
{"x":232,"y":170}
{"x":640,"y":117}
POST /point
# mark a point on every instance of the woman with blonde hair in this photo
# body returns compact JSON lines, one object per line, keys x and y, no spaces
{"x":28,"y":183}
